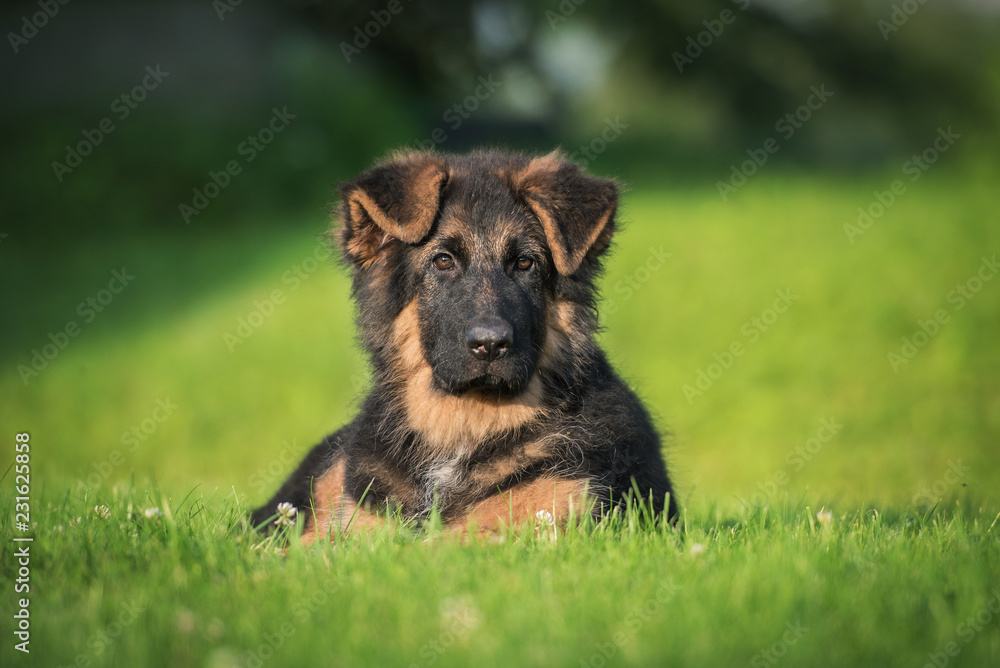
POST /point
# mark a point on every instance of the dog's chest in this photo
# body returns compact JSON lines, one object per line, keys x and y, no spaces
{"x":444,"y":476}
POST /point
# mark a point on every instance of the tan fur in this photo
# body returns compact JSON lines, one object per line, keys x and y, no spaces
{"x":565,"y":262}
{"x":532,"y":180}
{"x":362,"y":204}
{"x":424,"y":198}
{"x":489,"y":475}
{"x":558,"y":342}
{"x":334,"y":508}
{"x":539,"y":167}
{"x":448,"y":423}
{"x":367,"y":243}
{"x":521,"y":502}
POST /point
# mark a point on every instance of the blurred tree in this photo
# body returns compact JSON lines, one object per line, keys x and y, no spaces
{"x":695,"y":83}
{"x":756,"y":56}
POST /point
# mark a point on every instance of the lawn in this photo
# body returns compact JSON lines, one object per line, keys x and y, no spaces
{"x":833,"y":400}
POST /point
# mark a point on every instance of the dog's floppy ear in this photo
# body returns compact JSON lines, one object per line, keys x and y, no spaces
{"x":576,"y":210}
{"x":396,"y":200}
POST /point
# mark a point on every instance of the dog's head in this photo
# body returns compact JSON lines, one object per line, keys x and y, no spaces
{"x":476,"y":248}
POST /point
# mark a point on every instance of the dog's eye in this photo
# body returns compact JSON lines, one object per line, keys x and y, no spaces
{"x":524,"y":263}
{"x":443,"y":261}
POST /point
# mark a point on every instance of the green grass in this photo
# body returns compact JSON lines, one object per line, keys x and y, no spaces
{"x":908,"y":552}
{"x":192,"y":587}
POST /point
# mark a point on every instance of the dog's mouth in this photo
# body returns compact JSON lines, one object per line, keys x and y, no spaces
{"x":492,"y":384}
{"x":486,"y":385}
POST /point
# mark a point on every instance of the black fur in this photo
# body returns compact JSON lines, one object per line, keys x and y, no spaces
{"x":523,"y":239}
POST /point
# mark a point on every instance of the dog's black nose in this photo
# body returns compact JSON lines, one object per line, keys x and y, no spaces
{"x":489,"y":340}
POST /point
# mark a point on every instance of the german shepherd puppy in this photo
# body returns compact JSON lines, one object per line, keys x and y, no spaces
{"x":474,"y":278}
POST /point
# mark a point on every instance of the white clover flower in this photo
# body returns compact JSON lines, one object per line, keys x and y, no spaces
{"x":152,"y":513}
{"x":286,"y":514}
{"x":544,"y":518}
{"x":824,"y":516}
{"x":697,"y":549}
{"x":102,"y":512}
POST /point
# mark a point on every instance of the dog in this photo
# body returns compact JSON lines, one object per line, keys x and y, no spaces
{"x":474,"y":277}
